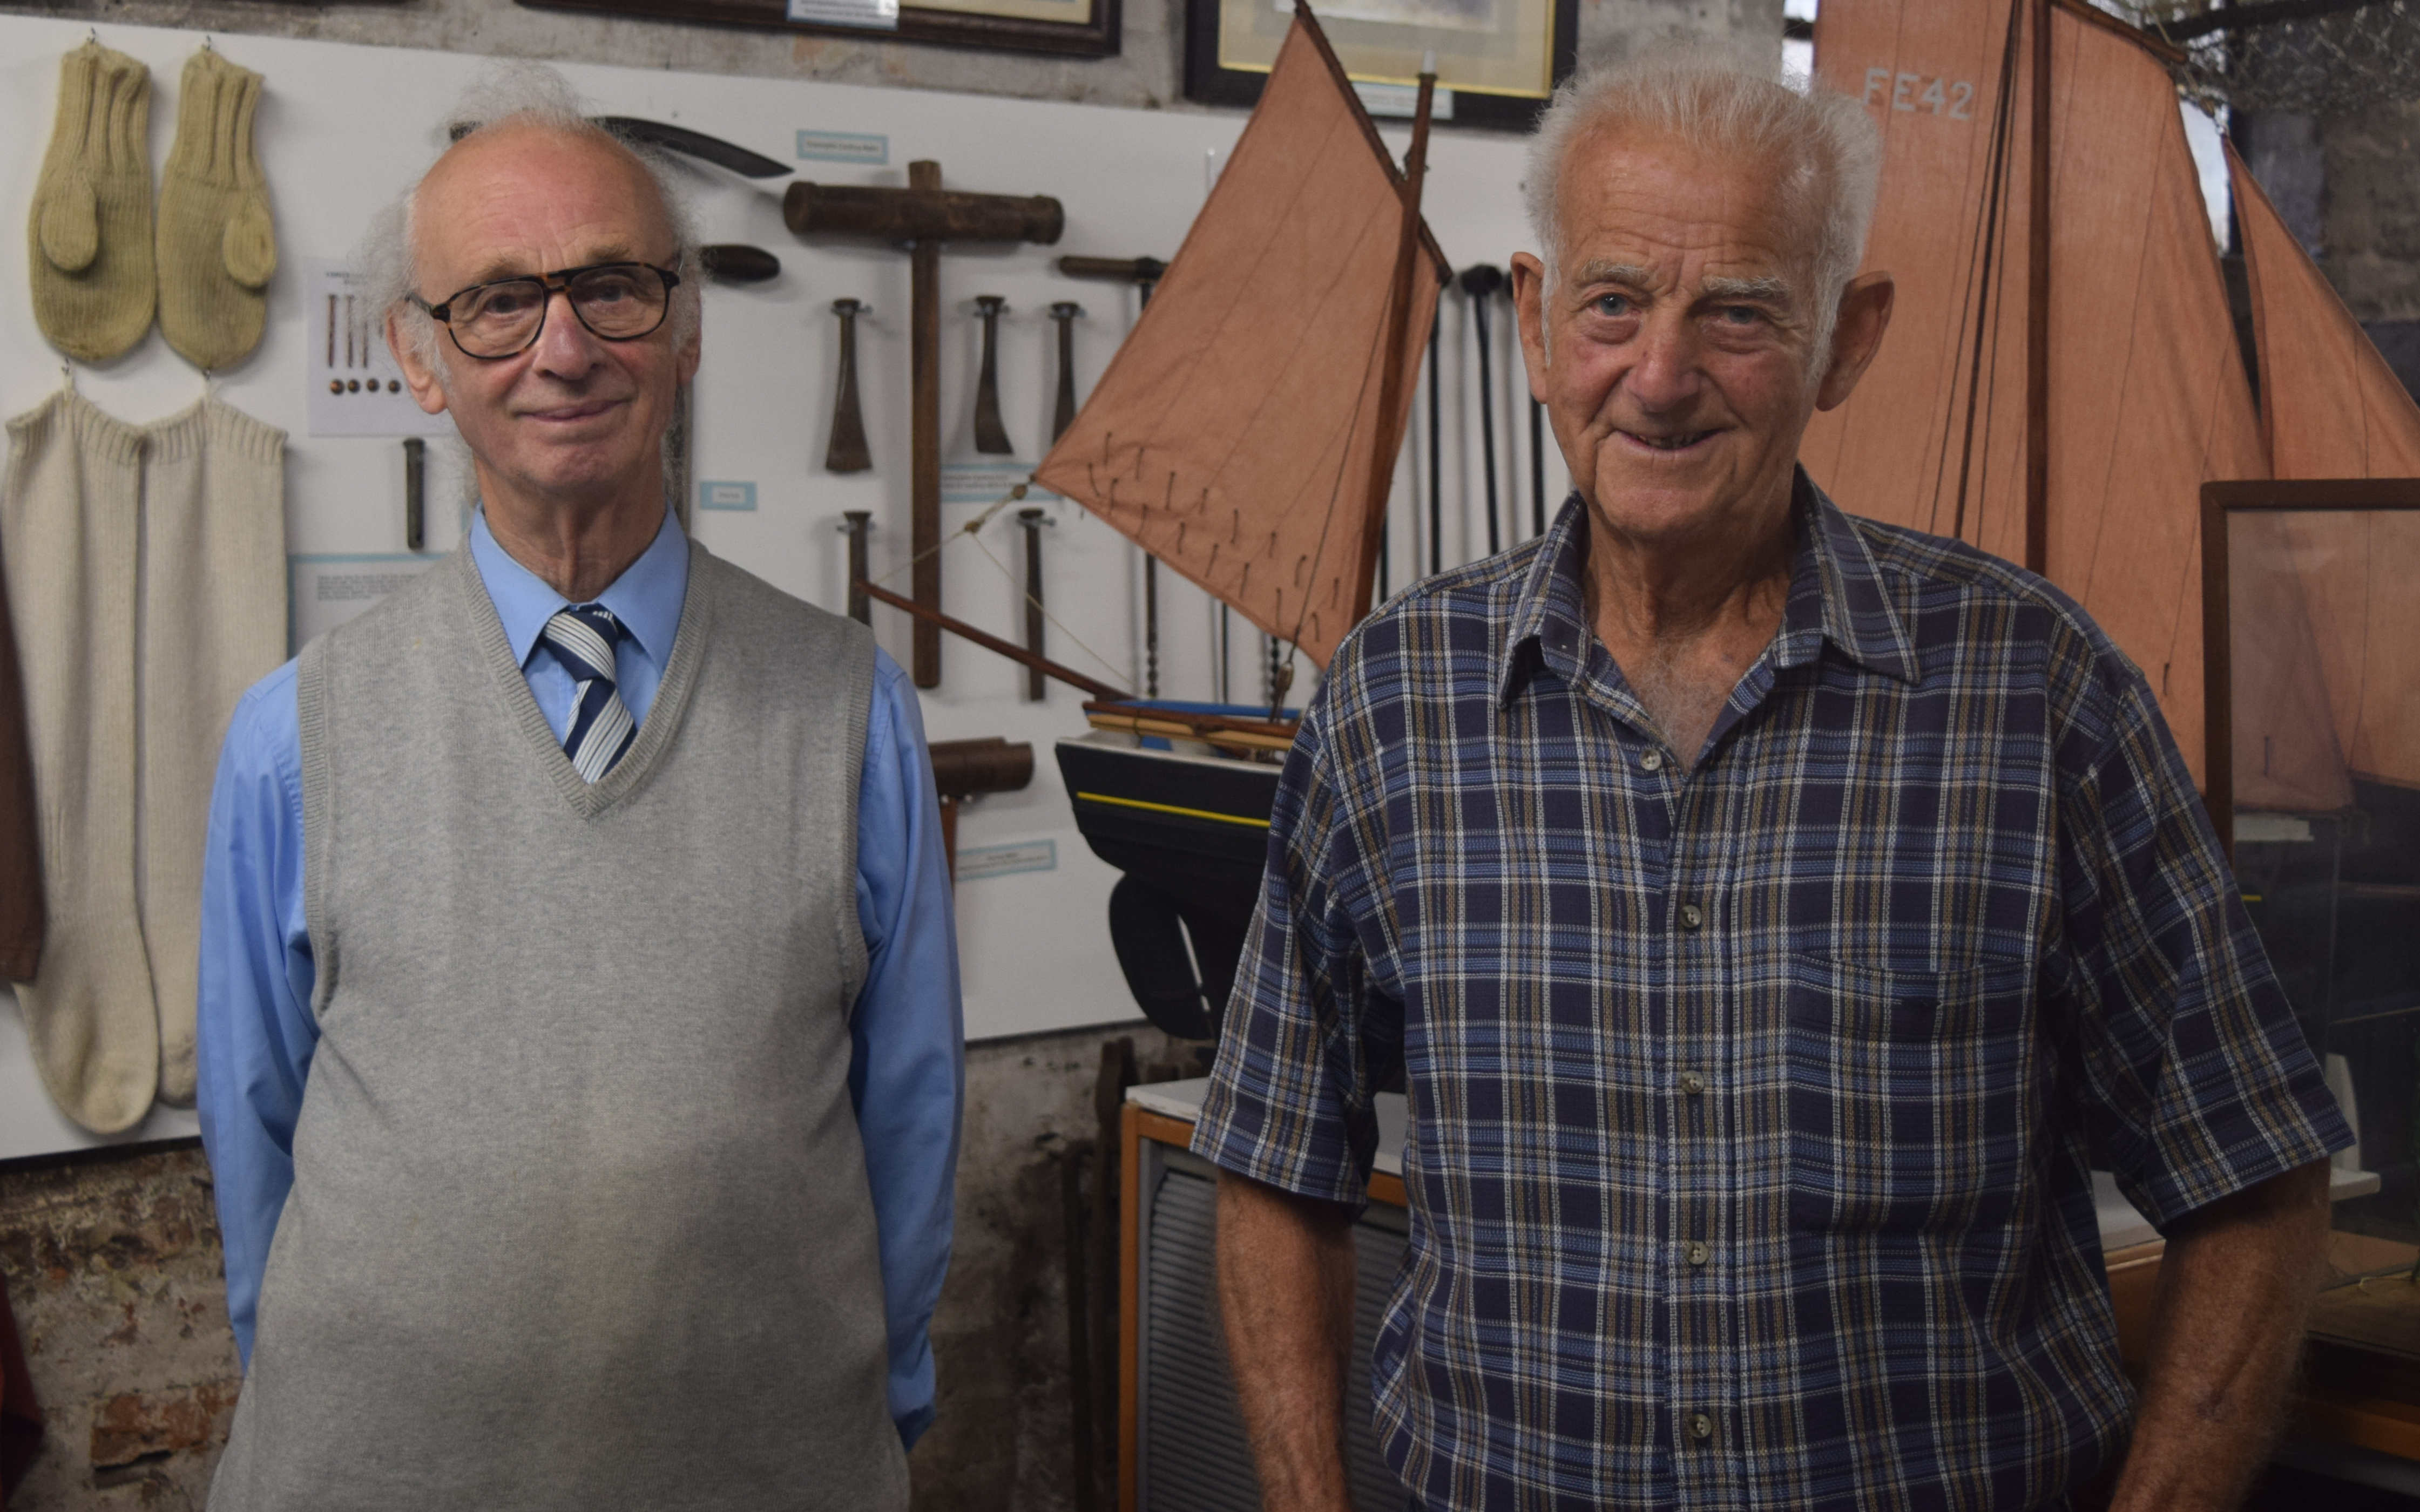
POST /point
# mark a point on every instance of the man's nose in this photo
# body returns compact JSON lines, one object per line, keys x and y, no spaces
{"x":564,"y":348}
{"x":1667,"y":373}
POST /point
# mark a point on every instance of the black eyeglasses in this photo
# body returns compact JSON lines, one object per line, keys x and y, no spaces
{"x":616,"y":302}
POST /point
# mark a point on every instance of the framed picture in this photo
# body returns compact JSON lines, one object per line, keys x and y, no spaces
{"x":1071,"y":28}
{"x":2310,"y":646}
{"x":1497,"y":61}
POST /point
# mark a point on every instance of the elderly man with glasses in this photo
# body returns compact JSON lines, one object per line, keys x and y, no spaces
{"x":579,"y":1025}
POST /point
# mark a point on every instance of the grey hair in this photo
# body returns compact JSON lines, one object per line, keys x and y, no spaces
{"x":515,"y":94}
{"x":1828,"y":148}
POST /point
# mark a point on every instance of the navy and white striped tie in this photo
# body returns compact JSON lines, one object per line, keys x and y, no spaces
{"x":583,"y":638}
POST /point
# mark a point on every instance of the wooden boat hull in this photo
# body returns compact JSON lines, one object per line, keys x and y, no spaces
{"x":1190,"y":834}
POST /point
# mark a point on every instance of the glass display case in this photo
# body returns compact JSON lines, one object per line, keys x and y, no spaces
{"x":2312,"y":661}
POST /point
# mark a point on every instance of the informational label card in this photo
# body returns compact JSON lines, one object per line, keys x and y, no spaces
{"x":873,"y":15}
{"x":323,"y":591}
{"x":352,"y":386}
{"x":976,"y":862}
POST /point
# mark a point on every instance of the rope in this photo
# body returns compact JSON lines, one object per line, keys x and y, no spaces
{"x":1072,"y":637}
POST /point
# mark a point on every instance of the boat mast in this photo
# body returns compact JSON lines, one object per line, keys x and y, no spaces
{"x":2038,"y":302}
{"x":1399,"y":320}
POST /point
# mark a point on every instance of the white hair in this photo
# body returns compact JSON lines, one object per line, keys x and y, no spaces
{"x":1826,"y":147}
{"x":517,"y":94}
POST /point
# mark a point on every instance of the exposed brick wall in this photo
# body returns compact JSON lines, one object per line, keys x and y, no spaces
{"x":113,"y":1274}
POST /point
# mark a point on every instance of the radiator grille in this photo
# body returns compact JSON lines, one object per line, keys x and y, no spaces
{"x":1194,"y":1456}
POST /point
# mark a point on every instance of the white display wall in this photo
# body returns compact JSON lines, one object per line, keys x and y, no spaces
{"x":344,"y":128}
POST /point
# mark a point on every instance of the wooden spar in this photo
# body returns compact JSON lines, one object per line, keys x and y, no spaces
{"x":990,"y":643}
{"x":2037,"y":303}
{"x":1391,"y":379}
{"x":924,"y":431}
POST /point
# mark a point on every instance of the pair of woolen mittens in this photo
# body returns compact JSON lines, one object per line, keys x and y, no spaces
{"x":99,"y":261}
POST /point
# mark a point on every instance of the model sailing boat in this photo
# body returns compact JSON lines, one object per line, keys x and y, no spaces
{"x":1245,"y":435}
{"x":2062,"y":373}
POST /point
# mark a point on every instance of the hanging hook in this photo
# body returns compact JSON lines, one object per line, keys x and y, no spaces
{"x":92,"y":35}
{"x":66,"y":374}
{"x":206,"y":43}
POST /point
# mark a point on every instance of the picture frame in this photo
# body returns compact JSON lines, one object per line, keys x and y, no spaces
{"x":1498,"y":61}
{"x":2221,"y":504}
{"x":1065,"y":28}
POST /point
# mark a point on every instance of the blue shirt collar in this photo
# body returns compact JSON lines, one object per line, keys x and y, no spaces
{"x":1837,"y":595}
{"x":646,"y":599}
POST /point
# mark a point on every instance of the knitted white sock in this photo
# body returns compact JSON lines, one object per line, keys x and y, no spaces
{"x":213,"y":624}
{"x":70,"y":502}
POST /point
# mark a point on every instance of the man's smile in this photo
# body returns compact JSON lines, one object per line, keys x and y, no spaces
{"x":1667,"y":443}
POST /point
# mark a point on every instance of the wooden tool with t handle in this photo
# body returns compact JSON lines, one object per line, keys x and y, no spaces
{"x":921,"y":217}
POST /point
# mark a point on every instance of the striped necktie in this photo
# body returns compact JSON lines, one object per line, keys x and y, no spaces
{"x":581,"y":638}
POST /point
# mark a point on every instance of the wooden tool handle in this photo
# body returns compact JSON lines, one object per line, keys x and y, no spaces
{"x":890,"y":214}
{"x":1132,"y":270}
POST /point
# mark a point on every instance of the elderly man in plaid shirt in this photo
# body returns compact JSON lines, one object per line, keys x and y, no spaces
{"x":1773,"y":915}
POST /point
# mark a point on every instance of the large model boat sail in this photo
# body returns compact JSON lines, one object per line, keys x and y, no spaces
{"x":1246,"y":435}
{"x":2062,"y":373}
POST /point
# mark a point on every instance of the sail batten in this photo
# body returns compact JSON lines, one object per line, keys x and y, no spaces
{"x":1252,"y":387}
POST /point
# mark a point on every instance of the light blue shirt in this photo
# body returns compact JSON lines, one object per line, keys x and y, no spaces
{"x":906,"y":1070}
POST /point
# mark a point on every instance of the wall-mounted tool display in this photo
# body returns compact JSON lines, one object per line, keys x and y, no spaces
{"x":352,"y":384}
{"x":217,"y":246}
{"x":991,"y":436}
{"x":1143,"y":272}
{"x":1481,"y":281}
{"x":93,"y":279}
{"x":1031,"y":521}
{"x":847,"y":451}
{"x":924,"y":215}
{"x":964,"y":769}
{"x":1062,"y":410}
{"x":732,"y":262}
{"x":415,"y":492}
{"x":856,"y":524}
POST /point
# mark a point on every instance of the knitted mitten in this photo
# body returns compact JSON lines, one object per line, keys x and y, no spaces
{"x":217,"y":248}
{"x":91,"y":230}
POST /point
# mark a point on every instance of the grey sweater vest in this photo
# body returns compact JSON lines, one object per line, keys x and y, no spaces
{"x":580,"y":1216}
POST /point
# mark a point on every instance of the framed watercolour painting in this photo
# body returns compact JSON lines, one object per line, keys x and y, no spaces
{"x":1497,"y":61}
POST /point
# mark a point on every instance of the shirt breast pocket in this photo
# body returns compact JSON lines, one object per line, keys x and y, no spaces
{"x":1910,"y":1094}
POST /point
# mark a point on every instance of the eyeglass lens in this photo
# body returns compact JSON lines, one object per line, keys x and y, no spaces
{"x":618,"y":302}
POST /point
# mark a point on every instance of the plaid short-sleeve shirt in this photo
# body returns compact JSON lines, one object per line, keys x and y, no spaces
{"x":1754,"y":1103}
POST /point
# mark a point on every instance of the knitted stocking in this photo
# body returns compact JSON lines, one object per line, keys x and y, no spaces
{"x":213,"y":624}
{"x":217,"y":247}
{"x":90,"y":234}
{"x":70,"y":510}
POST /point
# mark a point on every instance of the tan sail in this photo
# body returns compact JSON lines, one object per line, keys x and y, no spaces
{"x":2332,"y":409}
{"x":1233,"y":435}
{"x":2148,"y":397}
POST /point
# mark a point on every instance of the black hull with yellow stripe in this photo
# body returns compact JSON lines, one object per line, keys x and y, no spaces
{"x":1190,"y":833}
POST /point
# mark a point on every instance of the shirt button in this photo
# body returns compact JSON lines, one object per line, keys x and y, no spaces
{"x":1691,"y":917}
{"x":1698,"y":1252}
{"x":1692,"y":1083}
{"x":1702,"y":1427}
{"x":1652,"y":761}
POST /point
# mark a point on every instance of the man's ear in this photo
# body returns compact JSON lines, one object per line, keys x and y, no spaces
{"x":1529,"y":308}
{"x":419,"y":376}
{"x":1856,"y":335}
{"x":690,"y":350}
